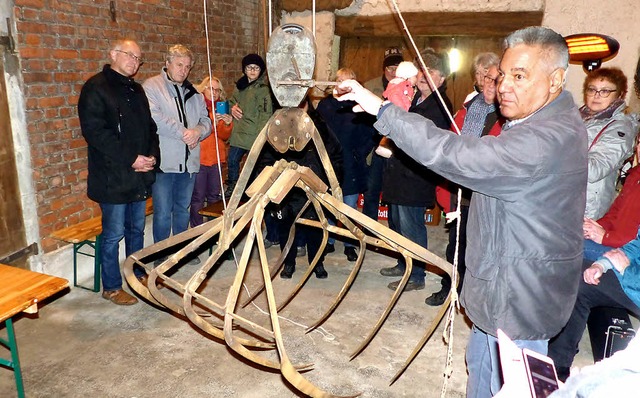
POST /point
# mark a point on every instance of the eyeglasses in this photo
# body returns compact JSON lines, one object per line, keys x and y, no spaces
{"x":216,"y":90}
{"x":391,"y":69}
{"x":254,"y":68}
{"x":604,"y":93}
{"x":491,"y":80}
{"x":132,"y":56}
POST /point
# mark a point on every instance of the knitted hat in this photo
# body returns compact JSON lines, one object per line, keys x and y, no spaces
{"x":254,"y":59}
{"x":392,"y":57}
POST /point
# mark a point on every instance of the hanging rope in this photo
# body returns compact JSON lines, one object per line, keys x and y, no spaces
{"x":455,"y":305}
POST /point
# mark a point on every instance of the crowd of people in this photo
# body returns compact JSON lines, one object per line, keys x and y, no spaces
{"x":540,"y":222}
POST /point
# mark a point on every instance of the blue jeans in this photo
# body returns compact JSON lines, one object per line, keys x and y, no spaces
{"x":171,"y":198}
{"x":234,"y":157}
{"x":408,"y":221}
{"x":374,"y":187}
{"x":593,"y":250}
{"x":483,"y":362}
{"x":120,"y":221}
{"x":351,"y":201}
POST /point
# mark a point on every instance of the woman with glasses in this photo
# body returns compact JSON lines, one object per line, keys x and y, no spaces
{"x":611,"y":133}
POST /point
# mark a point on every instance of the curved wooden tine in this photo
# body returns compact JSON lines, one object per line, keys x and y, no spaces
{"x":394,"y":298}
{"x":345,"y":288}
{"x":279,"y":261}
{"x":427,"y":334}
{"x":234,"y":292}
{"x":316,"y":258}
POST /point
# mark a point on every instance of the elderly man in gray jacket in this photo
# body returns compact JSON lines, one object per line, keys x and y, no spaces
{"x":183,"y":121}
{"x":524,"y":249}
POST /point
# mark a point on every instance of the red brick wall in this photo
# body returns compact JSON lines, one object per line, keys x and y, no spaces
{"x":62,"y":43}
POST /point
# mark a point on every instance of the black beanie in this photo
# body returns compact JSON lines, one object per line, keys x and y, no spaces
{"x":253,"y":59}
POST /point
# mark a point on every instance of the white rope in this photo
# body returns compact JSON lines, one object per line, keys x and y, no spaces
{"x":454,"y":305}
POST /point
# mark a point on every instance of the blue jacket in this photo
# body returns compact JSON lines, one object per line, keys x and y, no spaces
{"x":630,"y":280}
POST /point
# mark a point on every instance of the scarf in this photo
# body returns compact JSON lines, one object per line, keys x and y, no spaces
{"x":588,"y":114}
{"x":476,"y":116}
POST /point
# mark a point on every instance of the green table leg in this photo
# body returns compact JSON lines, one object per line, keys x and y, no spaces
{"x":14,"y":363}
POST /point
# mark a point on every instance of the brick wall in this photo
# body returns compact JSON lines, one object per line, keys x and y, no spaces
{"x":62,"y":43}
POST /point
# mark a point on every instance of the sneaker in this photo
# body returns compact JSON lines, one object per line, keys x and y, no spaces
{"x":301,"y":251}
{"x":268,"y":243}
{"x":411,"y":285}
{"x":119,"y":297}
{"x":392,"y":271}
{"x":230,"y":187}
{"x":329,"y":248}
{"x":351,"y":254}
{"x":437,"y":298}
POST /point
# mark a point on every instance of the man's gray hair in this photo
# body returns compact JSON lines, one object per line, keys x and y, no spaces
{"x":435,"y":60}
{"x":552,"y":43}
{"x":179,"y":50}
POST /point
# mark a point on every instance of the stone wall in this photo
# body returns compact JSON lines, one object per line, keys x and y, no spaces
{"x":61,"y":43}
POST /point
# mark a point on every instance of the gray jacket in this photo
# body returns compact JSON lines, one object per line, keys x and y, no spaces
{"x":606,"y":156}
{"x":175,"y":157}
{"x":524,"y":239}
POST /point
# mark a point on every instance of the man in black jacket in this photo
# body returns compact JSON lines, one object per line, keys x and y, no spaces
{"x":409,"y":187}
{"x":123,"y":151}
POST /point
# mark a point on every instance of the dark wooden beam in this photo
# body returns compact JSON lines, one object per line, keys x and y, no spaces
{"x":321,"y":5}
{"x":437,"y":23}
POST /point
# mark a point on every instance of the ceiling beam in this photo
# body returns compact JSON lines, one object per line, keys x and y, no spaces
{"x":321,"y":5}
{"x":437,"y":24}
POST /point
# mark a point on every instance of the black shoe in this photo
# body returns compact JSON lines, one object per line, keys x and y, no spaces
{"x":301,"y":251}
{"x":351,"y":254}
{"x":230,"y":187}
{"x":268,"y":243}
{"x":329,"y":248}
{"x":437,"y":298}
{"x":392,"y":271}
{"x":287,"y":272}
{"x":411,"y":285}
{"x":321,"y":273}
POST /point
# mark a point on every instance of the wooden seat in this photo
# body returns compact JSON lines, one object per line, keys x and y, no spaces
{"x":88,"y":233}
{"x":213,"y":210}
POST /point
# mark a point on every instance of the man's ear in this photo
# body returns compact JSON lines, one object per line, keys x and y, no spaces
{"x":557,"y":80}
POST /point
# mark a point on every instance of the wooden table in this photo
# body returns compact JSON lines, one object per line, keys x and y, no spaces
{"x":213,"y":210}
{"x":22,"y":290}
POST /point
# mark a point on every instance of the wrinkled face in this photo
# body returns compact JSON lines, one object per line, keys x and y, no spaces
{"x":600,"y":93}
{"x":423,"y":82}
{"x":126,"y":59}
{"x":252,"y":71}
{"x":489,"y":87}
{"x":178,"y":68}
{"x":213,"y":91}
{"x":525,"y":82}
{"x":479,"y":76}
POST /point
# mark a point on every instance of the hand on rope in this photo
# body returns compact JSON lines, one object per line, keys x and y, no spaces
{"x":351,"y":90}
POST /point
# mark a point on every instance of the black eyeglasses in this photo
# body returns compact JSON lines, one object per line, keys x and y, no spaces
{"x":254,"y":68}
{"x":132,"y":56}
{"x":604,"y":93}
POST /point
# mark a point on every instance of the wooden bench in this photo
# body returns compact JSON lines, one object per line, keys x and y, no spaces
{"x":88,"y":233}
{"x":213,"y":210}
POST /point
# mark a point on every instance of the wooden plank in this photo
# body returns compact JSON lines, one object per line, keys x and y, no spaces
{"x":21,"y":289}
{"x":321,"y":5}
{"x":437,"y":23}
{"x":213,"y":210}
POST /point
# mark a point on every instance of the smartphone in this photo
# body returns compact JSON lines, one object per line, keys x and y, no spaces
{"x":222,"y":107}
{"x":541,"y":373}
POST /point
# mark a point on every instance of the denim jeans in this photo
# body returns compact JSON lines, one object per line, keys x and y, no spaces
{"x":351,"y":201}
{"x":234,"y":157}
{"x":607,"y":293}
{"x":171,"y":199}
{"x":206,"y":188}
{"x":408,"y":221}
{"x":120,"y":221}
{"x":483,"y":362}
{"x":593,"y":250}
{"x":374,"y":187}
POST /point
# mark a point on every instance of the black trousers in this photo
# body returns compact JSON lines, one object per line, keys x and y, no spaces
{"x":608,"y":293}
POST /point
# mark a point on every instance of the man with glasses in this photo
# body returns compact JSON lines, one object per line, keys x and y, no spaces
{"x":123,"y":149}
{"x":524,"y":254}
{"x":183,"y":121}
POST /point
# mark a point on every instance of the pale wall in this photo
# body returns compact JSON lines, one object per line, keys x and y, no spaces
{"x":617,"y":18}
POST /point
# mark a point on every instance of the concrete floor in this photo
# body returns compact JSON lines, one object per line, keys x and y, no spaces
{"x":81,"y":345}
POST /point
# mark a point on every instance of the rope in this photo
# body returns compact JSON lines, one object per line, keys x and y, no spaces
{"x":454,"y":305}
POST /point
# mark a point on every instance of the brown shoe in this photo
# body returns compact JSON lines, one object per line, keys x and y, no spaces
{"x":119,"y":297}
{"x":144,"y":279}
